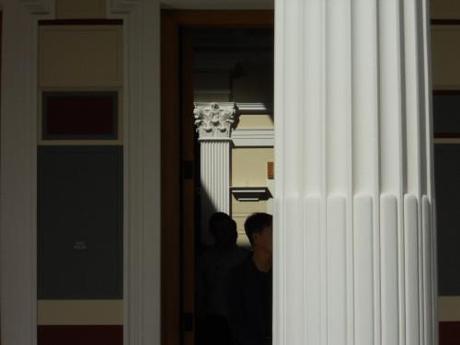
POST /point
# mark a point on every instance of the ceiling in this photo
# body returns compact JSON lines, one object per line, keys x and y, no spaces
{"x":218,"y":4}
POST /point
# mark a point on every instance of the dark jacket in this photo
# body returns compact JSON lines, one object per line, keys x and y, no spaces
{"x":250,"y":304}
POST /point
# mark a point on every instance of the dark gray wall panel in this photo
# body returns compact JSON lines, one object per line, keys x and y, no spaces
{"x":447,"y":158}
{"x":80,"y":237}
{"x":446,"y":110}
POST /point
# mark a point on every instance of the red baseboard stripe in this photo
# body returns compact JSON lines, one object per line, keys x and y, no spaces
{"x":80,"y":335}
{"x":449,"y":333}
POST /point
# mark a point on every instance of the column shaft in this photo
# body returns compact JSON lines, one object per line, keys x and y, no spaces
{"x":215,"y":179}
{"x":354,"y":255}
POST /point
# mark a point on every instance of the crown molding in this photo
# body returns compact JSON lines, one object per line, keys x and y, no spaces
{"x":254,"y":108}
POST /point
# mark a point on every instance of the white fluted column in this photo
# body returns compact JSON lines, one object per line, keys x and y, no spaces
{"x":214,"y":124}
{"x":354,"y":237}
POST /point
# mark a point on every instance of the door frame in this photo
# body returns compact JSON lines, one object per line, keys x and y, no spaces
{"x":18,"y":160}
{"x":172,"y":21}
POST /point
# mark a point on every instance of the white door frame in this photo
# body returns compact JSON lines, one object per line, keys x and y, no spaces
{"x":18,"y":177}
{"x":142,"y":169}
{"x":19,"y":134}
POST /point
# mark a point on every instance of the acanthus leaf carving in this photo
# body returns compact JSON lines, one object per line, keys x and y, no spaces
{"x":214,"y":120}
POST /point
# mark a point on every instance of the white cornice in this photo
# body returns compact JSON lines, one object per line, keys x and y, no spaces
{"x":253,"y":137}
{"x":242,"y":107}
{"x":254,"y":108}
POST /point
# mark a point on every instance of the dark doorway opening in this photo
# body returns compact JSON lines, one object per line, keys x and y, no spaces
{"x":188,"y":39}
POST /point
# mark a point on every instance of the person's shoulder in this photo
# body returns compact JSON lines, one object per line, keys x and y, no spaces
{"x":242,"y":268}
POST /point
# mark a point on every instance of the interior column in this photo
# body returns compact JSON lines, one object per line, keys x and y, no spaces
{"x":354,"y":259}
{"x":214,"y":122}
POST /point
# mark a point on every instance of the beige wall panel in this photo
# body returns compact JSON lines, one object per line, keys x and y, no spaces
{"x":243,"y":240}
{"x":449,"y":308}
{"x":80,"y":312}
{"x":255,"y":121}
{"x":249,"y":166}
{"x":446,"y":57}
{"x":80,"y":9}
{"x":240,"y":211}
{"x":445,"y":9}
{"x":249,"y":169}
{"x":80,"y":56}
{"x":248,"y":207}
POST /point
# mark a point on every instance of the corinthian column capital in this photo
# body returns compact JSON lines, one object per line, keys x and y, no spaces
{"x":214,"y":120}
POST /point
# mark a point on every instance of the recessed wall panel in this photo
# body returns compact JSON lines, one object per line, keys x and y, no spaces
{"x":447,"y":179}
{"x":79,"y":115}
{"x":80,"y":243}
{"x":249,"y":166}
{"x":446,"y":114}
{"x":78,"y":335}
{"x":80,"y":56}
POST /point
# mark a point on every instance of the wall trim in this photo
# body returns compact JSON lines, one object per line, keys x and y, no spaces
{"x":253,"y":137}
{"x":18,"y":178}
{"x":142,"y":169}
{"x":254,"y":108}
{"x":81,"y":22}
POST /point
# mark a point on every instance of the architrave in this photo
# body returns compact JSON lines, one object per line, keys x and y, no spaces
{"x":18,"y":166}
{"x":142,"y":204}
{"x":172,"y":120}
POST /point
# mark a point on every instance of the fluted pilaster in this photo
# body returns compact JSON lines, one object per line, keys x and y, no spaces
{"x":354,"y":238}
{"x":214,"y":124}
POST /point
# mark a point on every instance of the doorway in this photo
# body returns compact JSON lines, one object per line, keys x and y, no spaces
{"x":206,"y":57}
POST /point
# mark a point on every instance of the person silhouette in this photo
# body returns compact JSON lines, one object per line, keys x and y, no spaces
{"x":250,"y":292}
{"x":214,"y":267}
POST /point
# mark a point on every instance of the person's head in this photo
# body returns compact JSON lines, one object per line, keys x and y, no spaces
{"x":223,"y":228}
{"x":258,"y":227}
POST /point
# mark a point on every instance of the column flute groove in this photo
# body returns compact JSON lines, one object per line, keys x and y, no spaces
{"x":362,"y":241}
